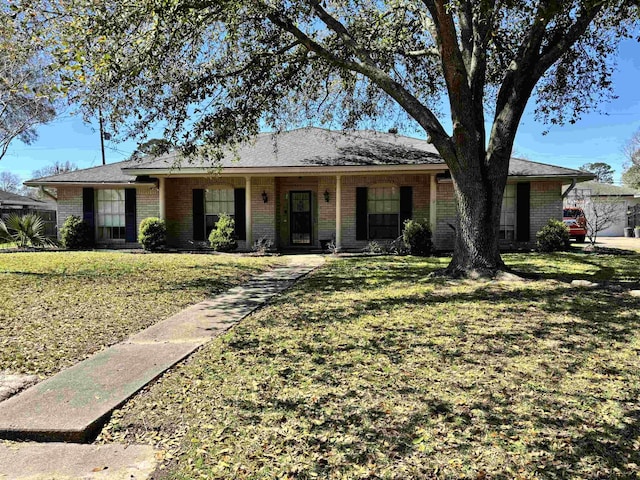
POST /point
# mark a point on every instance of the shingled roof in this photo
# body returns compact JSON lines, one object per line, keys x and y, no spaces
{"x":608,"y":190}
{"x":110,"y":173}
{"x":313,"y":149}
{"x":15,"y":200}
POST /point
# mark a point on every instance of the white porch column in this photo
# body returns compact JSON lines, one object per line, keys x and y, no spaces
{"x":247,"y":212}
{"x":433,"y":198}
{"x":338,"y":212}
{"x":162,"y":202}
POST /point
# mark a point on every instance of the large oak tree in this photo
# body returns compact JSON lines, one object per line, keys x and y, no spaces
{"x":219,"y":71}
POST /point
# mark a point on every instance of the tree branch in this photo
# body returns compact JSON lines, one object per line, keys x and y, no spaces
{"x":394,"y":89}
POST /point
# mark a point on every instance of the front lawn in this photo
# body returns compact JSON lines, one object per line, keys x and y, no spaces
{"x":367,"y":369}
{"x":56,"y":308}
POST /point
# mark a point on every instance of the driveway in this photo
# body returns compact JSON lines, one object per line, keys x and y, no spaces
{"x":619,"y":242}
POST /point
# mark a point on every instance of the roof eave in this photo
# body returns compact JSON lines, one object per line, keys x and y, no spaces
{"x":290,"y":171}
{"x":84,"y":183}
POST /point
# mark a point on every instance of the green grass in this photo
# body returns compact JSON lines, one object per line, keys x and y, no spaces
{"x":368,"y":369}
{"x":56,"y":308}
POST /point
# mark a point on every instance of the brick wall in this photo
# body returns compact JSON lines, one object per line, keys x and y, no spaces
{"x":146,"y":203}
{"x":327,"y":210}
{"x":420,"y":184}
{"x":263,"y":214}
{"x":179,"y":206}
{"x":545,"y":203}
{"x":69,"y":203}
{"x":270,"y":220}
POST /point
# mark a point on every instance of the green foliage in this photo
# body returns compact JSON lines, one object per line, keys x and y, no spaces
{"x":153,"y":147}
{"x":153,"y":234}
{"x":57,"y":308}
{"x":76,"y":234}
{"x":602,"y":171}
{"x":222,"y":238}
{"x":28,"y":86}
{"x":553,"y":237}
{"x":375,"y":247}
{"x":417,"y":236}
{"x":24,"y":230}
{"x":631,"y":176}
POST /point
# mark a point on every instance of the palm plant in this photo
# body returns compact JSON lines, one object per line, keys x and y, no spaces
{"x":26,"y":230}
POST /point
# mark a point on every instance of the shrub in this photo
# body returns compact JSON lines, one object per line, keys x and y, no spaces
{"x":374,"y":247}
{"x":153,"y":234}
{"x":222,"y":237}
{"x":76,"y":234}
{"x":262,"y":245}
{"x":554,"y":236}
{"x":417,"y":237}
{"x":26,"y":230}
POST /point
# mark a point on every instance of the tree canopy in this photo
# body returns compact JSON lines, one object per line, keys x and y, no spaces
{"x":154,"y":147}
{"x":26,"y":93}
{"x":219,"y":72}
{"x":10,"y":182}
{"x":602,"y":171}
{"x":631,"y":175}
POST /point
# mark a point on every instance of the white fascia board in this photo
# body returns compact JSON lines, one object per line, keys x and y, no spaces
{"x":289,"y":171}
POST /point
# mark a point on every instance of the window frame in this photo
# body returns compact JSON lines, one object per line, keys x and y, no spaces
{"x":505,"y":228}
{"x":114,"y":236}
{"x":390,"y":208}
{"x":211,"y":217}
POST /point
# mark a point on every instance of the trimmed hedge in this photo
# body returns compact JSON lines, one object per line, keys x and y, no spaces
{"x":553,"y":237}
{"x":76,"y":234}
{"x":153,"y":234}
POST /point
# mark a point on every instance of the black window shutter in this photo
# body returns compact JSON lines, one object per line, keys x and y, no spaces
{"x":523,"y":220}
{"x":361,"y":213}
{"x":130,"y":214}
{"x":239,"y":198}
{"x":406,"y":204}
{"x":88,"y":206}
{"x":198,"y":214}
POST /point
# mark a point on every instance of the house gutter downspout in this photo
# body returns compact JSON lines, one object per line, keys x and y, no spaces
{"x":571,"y":187}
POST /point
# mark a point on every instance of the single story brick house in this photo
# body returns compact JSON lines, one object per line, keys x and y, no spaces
{"x":299,"y":189}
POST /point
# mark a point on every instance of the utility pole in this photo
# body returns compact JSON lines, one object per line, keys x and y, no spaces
{"x":101,"y":135}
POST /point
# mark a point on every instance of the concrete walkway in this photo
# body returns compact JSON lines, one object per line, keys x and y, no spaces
{"x":73,"y":405}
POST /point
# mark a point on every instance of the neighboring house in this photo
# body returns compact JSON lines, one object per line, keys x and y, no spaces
{"x":624,"y":199}
{"x":21,"y":205}
{"x":300,"y":189}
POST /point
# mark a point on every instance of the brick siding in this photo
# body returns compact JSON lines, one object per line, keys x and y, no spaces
{"x":271,"y":219}
{"x":179,"y":207}
{"x":545,"y":203}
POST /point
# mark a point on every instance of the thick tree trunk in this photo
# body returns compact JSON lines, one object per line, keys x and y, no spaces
{"x":479,"y":201}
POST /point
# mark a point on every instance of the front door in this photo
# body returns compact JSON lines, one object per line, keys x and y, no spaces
{"x":300,"y":209}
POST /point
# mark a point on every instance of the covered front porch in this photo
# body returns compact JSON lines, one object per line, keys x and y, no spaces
{"x":297,"y":212}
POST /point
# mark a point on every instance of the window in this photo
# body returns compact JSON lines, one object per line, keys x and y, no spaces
{"x":383,"y":208}
{"x":110,"y":221}
{"x":508,"y":214}
{"x":217,"y":202}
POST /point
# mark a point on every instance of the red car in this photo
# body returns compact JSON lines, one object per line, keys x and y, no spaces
{"x":576,"y":222}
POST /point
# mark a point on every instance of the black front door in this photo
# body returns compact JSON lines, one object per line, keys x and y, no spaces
{"x":300,"y":209}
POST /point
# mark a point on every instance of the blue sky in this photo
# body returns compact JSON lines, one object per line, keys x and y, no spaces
{"x":598,"y":137}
